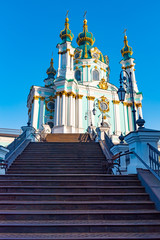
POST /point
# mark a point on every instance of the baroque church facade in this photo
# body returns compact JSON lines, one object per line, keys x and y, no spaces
{"x":79,"y":94}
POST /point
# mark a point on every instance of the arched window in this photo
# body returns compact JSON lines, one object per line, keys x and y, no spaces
{"x":95,"y":75}
{"x":78,"y":75}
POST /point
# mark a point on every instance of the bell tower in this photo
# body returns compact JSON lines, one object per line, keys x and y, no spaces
{"x":66,"y":53}
{"x":128,"y":63}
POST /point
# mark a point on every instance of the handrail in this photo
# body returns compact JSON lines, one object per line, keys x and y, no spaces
{"x":153,"y":148}
{"x":142,"y":161}
{"x":108,"y":141}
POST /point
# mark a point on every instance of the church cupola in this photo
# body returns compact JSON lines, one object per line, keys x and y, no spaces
{"x":66,"y":35}
{"x":85,"y":37}
{"x":126,"y":50}
{"x":51,"y":72}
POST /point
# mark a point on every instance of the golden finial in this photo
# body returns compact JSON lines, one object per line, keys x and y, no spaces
{"x":51,"y":63}
{"x":125,"y":36}
{"x":67,"y":19}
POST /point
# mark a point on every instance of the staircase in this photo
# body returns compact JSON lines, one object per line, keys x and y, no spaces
{"x":59,"y":190}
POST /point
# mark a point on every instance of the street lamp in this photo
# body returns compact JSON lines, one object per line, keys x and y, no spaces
{"x":121,"y":92}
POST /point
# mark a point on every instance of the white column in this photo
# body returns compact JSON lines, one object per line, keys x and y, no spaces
{"x":35,"y":111}
{"x":117,"y":118}
{"x":41,"y":112}
{"x":140,"y":111}
{"x":59,"y":65}
{"x":130,"y":118}
{"x":125,"y":117}
{"x":55,"y":112}
{"x":84,"y":76}
{"x":67,"y":61}
{"x":71,"y":63}
{"x":57,"y":109}
{"x":73,"y":112}
{"x":63,"y":108}
{"x":70,"y":109}
{"x":79,"y":99}
{"x":89,"y":75}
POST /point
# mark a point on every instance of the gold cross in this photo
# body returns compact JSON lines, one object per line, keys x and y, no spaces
{"x":125,"y":30}
{"x":85,"y":14}
{"x":67,"y":14}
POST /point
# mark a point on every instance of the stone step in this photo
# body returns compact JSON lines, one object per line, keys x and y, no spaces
{"x":101,"y":177}
{"x":75,"y":189}
{"x":73,"y":196}
{"x":81,"y":227}
{"x":39,"y":181}
{"x":56,"y":166}
{"x":81,"y":236}
{"x":76,"y":205}
{"x":55,"y":171}
{"x":45,"y":215}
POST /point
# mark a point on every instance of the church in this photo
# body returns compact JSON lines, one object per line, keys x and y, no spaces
{"x":80,"y":93}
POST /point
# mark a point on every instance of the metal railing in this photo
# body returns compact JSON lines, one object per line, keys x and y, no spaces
{"x":108,"y":141}
{"x":17,"y":141}
{"x":154,"y":166}
{"x":10,"y":131}
{"x":154,"y":159}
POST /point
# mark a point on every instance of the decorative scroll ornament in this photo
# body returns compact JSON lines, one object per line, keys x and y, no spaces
{"x":103,"y":104}
{"x":103,"y":84}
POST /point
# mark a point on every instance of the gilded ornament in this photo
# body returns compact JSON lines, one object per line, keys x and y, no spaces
{"x":95,"y":67}
{"x":91,"y":98}
{"x":116,"y":102}
{"x":42,"y":98}
{"x":138,"y":105}
{"x":76,"y":68}
{"x":79,"y":96}
{"x":76,"y":61}
{"x":103,"y":84}
{"x":51,"y":117}
{"x":36,"y":97}
{"x":103,"y":101}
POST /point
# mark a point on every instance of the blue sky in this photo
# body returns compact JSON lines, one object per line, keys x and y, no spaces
{"x":29,"y":33}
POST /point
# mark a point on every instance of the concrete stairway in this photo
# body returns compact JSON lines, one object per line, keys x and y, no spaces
{"x":57,"y":190}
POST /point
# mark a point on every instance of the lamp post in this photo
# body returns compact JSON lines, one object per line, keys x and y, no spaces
{"x":121,"y":92}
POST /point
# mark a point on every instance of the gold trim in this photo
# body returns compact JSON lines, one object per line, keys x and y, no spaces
{"x":125,"y":103}
{"x":84,"y":66}
{"x":116,"y":102}
{"x":47,"y":101}
{"x":95,"y":60}
{"x":79,"y":96}
{"x":36,"y":97}
{"x":91,"y":98}
{"x":42,"y":98}
{"x":128,"y":66}
{"x":138,"y":105}
{"x":88,"y":65}
{"x":105,"y":100}
{"x":103,"y":84}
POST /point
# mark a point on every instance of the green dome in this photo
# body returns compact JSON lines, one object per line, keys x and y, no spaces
{"x":85,"y":36}
{"x":51,"y":72}
{"x":126,"y":50}
{"x":66,"y":35}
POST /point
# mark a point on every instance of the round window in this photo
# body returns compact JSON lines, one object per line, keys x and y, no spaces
{"x":51,"y":105}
